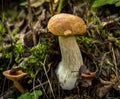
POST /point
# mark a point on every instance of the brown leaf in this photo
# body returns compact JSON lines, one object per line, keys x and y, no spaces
{"x":86,"y":82}
{"x":104,"y":88}
{"x":116,"y":86}
{"x":37,"y":3}
{"x":86,"y":76}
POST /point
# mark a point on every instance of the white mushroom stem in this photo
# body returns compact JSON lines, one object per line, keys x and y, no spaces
{"x":70,"y":63}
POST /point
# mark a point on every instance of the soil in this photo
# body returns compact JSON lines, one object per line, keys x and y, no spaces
{"x":100,"y":48}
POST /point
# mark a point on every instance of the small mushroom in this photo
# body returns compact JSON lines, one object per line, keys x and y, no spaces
{"x":65,"y":26}
{"x":15,"y":76}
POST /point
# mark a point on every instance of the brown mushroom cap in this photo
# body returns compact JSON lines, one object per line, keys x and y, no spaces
{"x":66,"y":24}
{"x":19,"y":74}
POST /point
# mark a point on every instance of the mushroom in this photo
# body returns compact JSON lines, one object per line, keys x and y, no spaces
{"x":66,"y":26}
{"x":15,"y":76}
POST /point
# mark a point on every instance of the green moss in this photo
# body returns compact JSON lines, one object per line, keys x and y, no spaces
{"x":86,"y":41}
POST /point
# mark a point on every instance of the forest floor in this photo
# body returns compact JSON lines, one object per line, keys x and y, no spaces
{"x":24,"y":37}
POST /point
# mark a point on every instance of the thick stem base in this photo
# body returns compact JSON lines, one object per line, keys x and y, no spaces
{"x":68,"y":69}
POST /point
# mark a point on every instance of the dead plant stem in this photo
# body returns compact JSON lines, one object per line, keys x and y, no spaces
{"x":34,"y":82}
{"x":42,"y":84}
{"x":114,"y":61}
{"x":48,"y":77}
{"x":30,"y":23}
{"x":43,"y":89}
